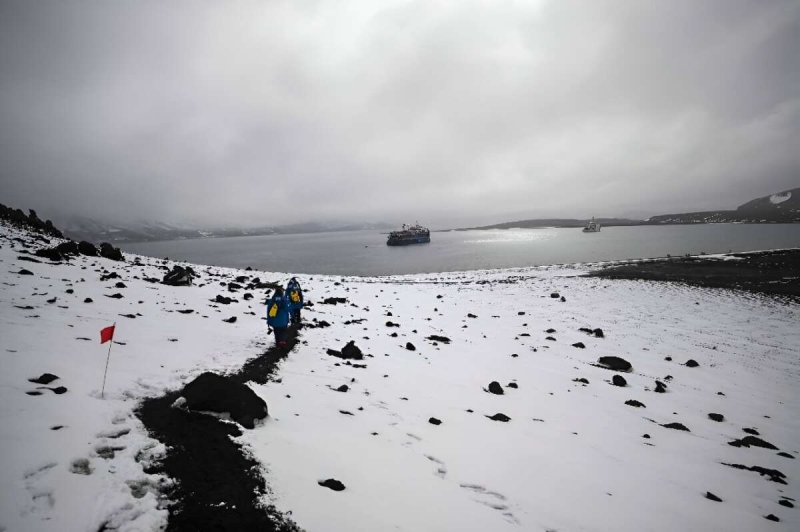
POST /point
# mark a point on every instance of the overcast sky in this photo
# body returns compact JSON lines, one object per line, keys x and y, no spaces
{"x":448,"y":112}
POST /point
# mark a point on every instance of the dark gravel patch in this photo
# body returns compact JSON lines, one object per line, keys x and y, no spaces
{"x":768,"y":272}
{"x":209,"y":466}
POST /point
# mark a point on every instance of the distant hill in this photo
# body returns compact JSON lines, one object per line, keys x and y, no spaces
{"x":783,"y":207}
{"x":555,"y":222}
{"x":81,"y":228}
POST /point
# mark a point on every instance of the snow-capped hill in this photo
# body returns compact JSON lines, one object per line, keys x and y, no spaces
{"x":783,"y":207}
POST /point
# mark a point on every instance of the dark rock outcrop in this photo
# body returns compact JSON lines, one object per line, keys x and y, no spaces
{"x":217,"y":393}
{"x":719,"y":418}
{"x":661,"y":387}
{"x":44,"y":378}
{"x":500,"y":417}
{"x":87,"y":248}
{"x":579,"y":345}
{"x":110,"y":252}
{"x":331,"y":483}
{"x":615,"y":364}
{"x":691,"y":363}
{"x":348,"y":352}
{"x":495,"y":388}
{"x":619,"y":380}
{"x":437,"y":338}
{"x":179,"y":276}
{"x":635,"y":403}
{"x":753,"y":441}
{"x":710,"y":496}
{"x":676,"y":426}
{"x":410,"y":346}
{"x":434,"y":421}
{"x":773,"y":474}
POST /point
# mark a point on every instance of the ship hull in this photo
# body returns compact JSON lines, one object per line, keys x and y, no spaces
{"x":409,"y":241}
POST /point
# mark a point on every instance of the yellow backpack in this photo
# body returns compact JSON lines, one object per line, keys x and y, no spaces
{"x":273,"y":310}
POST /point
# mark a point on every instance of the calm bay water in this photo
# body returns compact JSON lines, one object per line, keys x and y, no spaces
{"x":366,"y":252}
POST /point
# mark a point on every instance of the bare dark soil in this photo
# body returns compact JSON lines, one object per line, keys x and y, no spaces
{"x":768,"y":272}
{"x":217,"y":485}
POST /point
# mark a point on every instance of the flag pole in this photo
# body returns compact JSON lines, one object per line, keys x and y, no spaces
{"x":108,"y":357}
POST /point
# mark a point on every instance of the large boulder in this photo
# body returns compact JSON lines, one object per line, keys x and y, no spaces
{"x":87,"y":248}
{"x":495,"y":388}
{"x":615,"y":363}
{"x":110,"y":252}
{"x":69,"y":247}
{"x":179,"y":276}
{"x":216,"y":393}
{"x":49,"y":253}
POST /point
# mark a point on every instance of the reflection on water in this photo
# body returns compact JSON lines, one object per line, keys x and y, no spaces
{"x":501,"y":236}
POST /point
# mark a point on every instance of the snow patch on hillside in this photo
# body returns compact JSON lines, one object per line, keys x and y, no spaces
{"x":780,"y":198}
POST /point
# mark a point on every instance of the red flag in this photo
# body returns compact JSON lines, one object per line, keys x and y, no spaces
{"x":107,"y":334}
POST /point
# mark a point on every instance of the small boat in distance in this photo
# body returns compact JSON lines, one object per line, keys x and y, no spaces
{"x":410,"y":234}
{"x":592,"y":227}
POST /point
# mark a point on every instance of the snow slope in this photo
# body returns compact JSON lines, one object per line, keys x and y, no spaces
{"x":572,"y":457}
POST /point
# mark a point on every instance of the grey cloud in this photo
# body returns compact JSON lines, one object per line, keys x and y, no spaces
{"x":288,"y":111}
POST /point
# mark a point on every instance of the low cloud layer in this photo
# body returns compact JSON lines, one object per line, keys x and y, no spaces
{"x":286,"y":111}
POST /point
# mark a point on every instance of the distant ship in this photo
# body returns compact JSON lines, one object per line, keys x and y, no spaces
{"x":410,"y":234}
{"x":592,"y":227}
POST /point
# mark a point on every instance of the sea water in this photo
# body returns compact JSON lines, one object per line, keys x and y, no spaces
{"x":366,"y":252}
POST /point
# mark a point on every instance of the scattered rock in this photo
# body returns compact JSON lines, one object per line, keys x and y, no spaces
{"x":334,"y":300}
{"x":44,"y":378}
{"x":772,"y":517}
{"x":222,"y":300}
{"x":434,"y":421}
{"x":754,"y":432}
{"x":691,"y":363}
{"x":88,"y":300}
{"x":753,"y":441}
{"x":710,"y":496}
{"x":550,"y":331}
{"x":179,"y":276}
{"x":437,"y":338}
{"x":120,"y":285}
{"x":676,"y":426}
{"x":555,"y":295}
{"x":331,"y":483}
{"x":717,"y":417}
{"x":615,"y":364}
{"x":471,"y":316}
{"x":634,"y":402}
{"x":785,"y":455}
{"x":512,"y":385}
{"x":410,"y":346}
{"x":668,"y":359}
{"x":563,"y":299}
{"x":661,"y":387}
{"x":232,"y":319}
{"x":579,"y":345}
{"x":217,"y":393}
{"x":495,"y":388}
{"x":23,"y":271}
{"x":186,"y":311}
{"x":599,"y":333}
{"x":582,"y":379}
{"x":343,"y":388}
{"x":500,"y":417}
{"x":773,"y":474}
{"x":618,"y":380}
{"x":115,"y":296}
{"x":784,"y":502}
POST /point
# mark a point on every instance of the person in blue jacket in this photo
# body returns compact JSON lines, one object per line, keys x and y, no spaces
{"x":295,"y":296}
{"x":278,"y":315}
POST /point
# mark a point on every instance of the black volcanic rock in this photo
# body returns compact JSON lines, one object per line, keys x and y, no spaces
{"x":676,"y":426}
{"x":179,"y":276}
{"x":217,"y":393}
{"x":44,"y":378}
{"x":710,"y":496}
{"x":500,"y":417}
{"x":87,"y":248}
{"x":110,"y":252}
{"x":495,"y":388}
{"x":434,"y":421}
{"x":618,"y":380}
{"x":691,"y":363}
{"x":635,"y":403}
{"x":753,"y":441}
{"x":332,"y":483}
{"x":410,"y":346}
{"x":579,"y":345}
{"x":437,"y":338}
{"x":615,"y":364}
{"x":661,"y":387}
{"x":717,"y":417}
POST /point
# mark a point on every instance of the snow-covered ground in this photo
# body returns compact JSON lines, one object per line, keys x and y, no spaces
{"x":572,"y":456}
